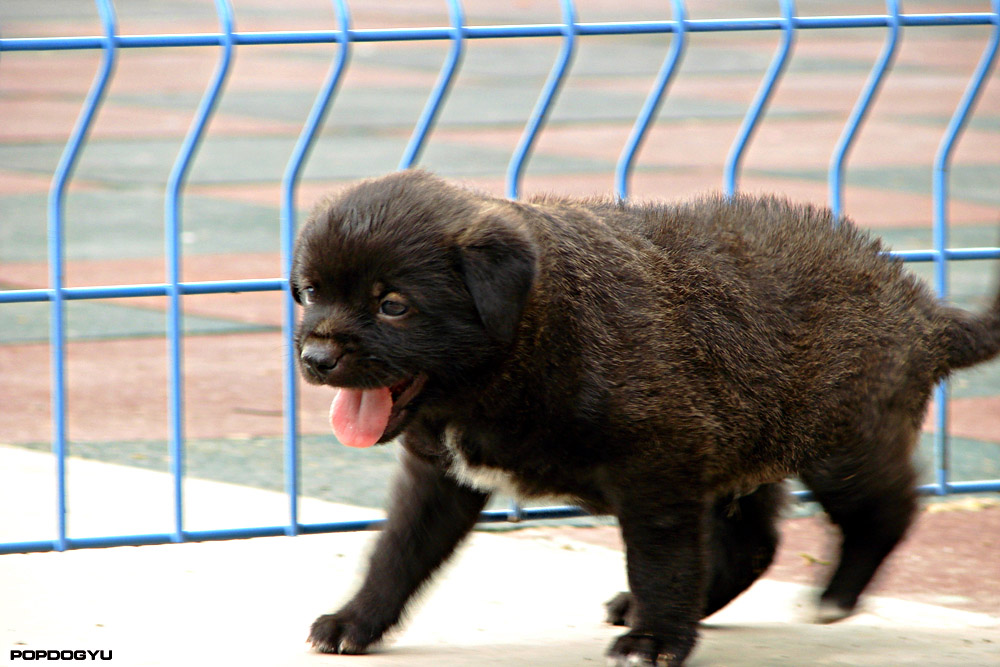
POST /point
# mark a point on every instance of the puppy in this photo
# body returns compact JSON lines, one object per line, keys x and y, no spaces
{"x":667,"y":364}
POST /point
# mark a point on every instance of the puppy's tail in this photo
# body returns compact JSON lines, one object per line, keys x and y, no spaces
{"x":971,"y":338}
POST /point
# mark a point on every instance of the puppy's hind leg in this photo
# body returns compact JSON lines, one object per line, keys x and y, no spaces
{"x":429,"y":515}
{"x":872,"y":499}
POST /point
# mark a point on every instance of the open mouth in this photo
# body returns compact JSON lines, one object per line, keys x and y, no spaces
{"x":402,"y":394}
{"x":364,"y":417}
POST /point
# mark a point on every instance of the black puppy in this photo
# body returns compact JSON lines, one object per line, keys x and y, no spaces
{"x":669,"y":365}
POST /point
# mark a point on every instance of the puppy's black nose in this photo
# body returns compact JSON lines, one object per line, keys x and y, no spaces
{"x":321,"y":358}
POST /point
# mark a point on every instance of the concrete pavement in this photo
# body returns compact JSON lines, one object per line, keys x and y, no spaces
{"x":503,"y":601}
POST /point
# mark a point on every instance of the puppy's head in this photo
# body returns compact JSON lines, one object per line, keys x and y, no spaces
{"x":410,"y":286}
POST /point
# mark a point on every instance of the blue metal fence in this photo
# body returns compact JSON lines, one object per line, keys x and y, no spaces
{"x":457,"y":33}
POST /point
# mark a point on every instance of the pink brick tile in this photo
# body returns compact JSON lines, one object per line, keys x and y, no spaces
{"x":41,"y":119}
{"x":975,"y":418}
{"x":308,"y":193}
{"x":71,"y":73}
{"x":873,"y":207}
{"x":778,"y":143}
{"x":14,"y":183}
{"x":19,"y":183}
{"x":869,"y":207}
{"x":915,"y":48}
{"x":118,"y":389}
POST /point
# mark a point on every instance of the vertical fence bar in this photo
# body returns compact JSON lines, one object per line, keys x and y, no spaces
{"x":652,"y":104}
{"x":759,"y":105}
{"x":942,"y":164}
{"x":289,"y":181}
{"x":441,"y":88}
{"x":541,"y":111}
{"x":860,"y":110}
{"x":537,"y":120}
{"x":172,"y":213}
{"x":57,"y":254}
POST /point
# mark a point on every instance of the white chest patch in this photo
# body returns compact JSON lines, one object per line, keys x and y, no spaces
{"x":479,"y":477}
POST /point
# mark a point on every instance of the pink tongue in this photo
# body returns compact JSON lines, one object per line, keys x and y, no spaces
{"x":359,"y":416}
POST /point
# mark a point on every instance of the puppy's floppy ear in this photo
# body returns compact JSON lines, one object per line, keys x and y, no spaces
{"x":498,"y":264}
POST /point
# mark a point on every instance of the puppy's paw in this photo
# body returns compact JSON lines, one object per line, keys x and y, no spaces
{"x":635,"y":649}
{"x":829,"y":611}
{"x":620,"y":610}
{"x":340,"y":633}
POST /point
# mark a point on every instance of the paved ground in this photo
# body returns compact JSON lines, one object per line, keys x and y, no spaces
{"x":536,"y":600}
{"x":234,"y":354}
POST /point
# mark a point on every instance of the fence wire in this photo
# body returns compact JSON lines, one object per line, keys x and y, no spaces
{"x":111,"y":43}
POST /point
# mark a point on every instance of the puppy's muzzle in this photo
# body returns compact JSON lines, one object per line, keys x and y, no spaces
{"x":320,"y":359}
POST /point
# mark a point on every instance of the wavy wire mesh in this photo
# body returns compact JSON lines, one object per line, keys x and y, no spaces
{"x":569,"y":32}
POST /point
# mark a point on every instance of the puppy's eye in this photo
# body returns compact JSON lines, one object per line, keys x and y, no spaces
{"x":307,"y":295}
{"x":393,"y":305}
{"x":393,"y":308}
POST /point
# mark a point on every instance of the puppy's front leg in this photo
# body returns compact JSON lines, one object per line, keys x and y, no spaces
{"x":429,"y":515}
{"x":664,"y":549}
